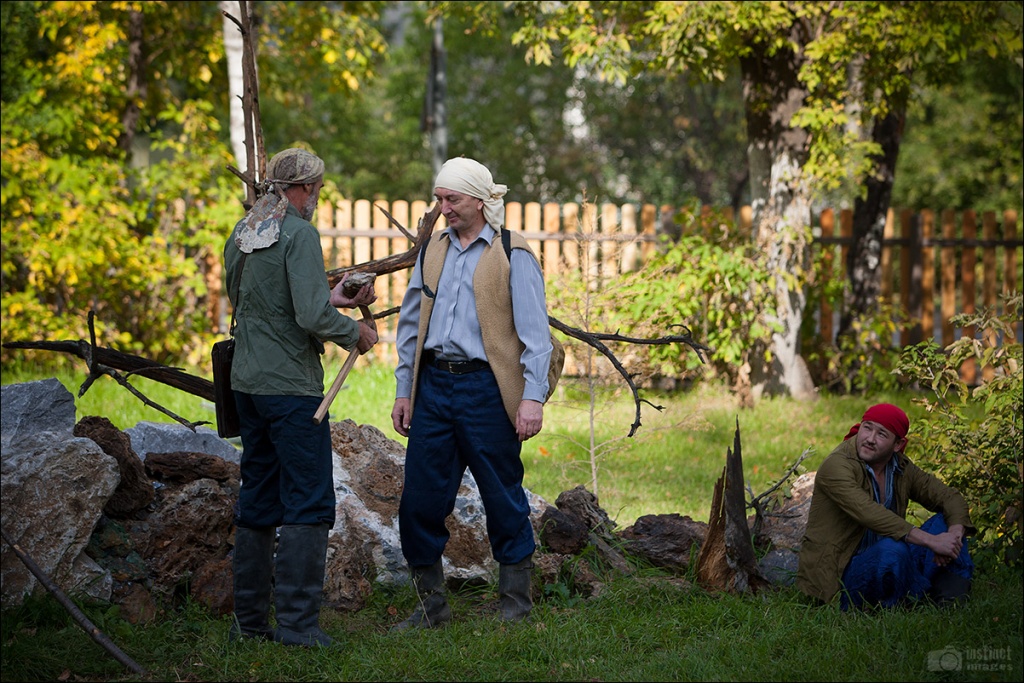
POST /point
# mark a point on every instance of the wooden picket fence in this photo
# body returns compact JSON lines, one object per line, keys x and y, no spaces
{"x":934,"y":262}
{"x":933,"y":266}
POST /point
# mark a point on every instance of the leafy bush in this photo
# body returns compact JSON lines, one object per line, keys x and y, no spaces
{"x":712,"y":283}
{"x":862,"y":360}
{"x":973,"y":437}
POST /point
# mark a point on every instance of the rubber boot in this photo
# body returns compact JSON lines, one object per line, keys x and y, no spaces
{"x":433,"y":610}
{"x":515,"y":589}
{"x":252,"y":565}
{"x":299,"y":585}
{"x":949,"y":589}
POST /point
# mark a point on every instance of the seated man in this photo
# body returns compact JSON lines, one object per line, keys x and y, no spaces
{"x":858,"y":542}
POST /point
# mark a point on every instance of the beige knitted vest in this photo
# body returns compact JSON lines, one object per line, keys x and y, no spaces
{"x":493,"y":309}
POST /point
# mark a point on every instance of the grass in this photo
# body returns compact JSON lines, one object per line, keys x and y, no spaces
{"x":648,"y":627}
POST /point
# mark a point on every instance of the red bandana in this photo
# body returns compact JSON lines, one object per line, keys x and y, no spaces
{"x":889,"y":416}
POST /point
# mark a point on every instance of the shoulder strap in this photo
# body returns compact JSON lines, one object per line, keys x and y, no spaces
{"x":506,"y":243}
{"x":238,"y":292}
{"x":423,"y":250}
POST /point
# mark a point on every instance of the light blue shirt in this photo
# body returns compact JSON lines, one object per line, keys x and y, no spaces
{"x":454,"y":330}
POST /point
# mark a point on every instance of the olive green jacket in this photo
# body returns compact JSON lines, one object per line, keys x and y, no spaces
{"x":283,"y":313}
{"x":843,"y":507}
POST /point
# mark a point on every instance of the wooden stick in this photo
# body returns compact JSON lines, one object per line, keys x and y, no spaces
{"x":325,"y":404}
{"x":66,"y":603}
{"x":321,"y":412}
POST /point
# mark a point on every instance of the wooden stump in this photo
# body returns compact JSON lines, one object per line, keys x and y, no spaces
{"x":727,"y":561}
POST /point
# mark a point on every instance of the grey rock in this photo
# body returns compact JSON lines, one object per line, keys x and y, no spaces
{"x":161,"y":437}
{"x":30,"y":407}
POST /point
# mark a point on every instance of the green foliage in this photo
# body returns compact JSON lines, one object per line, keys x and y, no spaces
{"x":973,"y":437}
{"x":856,"y":61}
{"x":83,"y":229}
{"x":963,"y":143}
{"x":714,"y":285}
{"x":862,"y":360}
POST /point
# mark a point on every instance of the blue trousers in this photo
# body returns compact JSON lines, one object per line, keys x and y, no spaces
{"x":891,"y":572}
{"x":287,"y":468}
{"x":459,"y":422}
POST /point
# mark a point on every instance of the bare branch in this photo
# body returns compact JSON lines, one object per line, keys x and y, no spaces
{"x":72,"y":609}
{"x":594,"y":340}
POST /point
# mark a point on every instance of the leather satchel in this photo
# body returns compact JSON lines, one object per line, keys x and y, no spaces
{"x":222,"y":355}
{"x":224,"y":398}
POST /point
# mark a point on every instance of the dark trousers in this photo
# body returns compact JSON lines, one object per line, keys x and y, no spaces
{"x":459,"y":422}
{"x":890,"y":571}
{"x":287,"y":468}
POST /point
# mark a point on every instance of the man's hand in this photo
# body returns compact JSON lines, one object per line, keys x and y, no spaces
{"x":401,"y":414}
{"x":946,"y":545}
{"x":529,"y":419}
{"x":367,"y":337}
{"x":364,"y":297}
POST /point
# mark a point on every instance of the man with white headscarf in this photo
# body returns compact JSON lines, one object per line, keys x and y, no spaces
{"x":284,"y":311}
{"x":472,"y":378}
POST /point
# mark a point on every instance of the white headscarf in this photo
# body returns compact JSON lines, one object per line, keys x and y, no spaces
{"x":471,"y":177}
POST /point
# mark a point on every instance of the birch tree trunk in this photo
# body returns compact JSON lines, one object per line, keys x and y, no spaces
{"x":782,"y":210}
{"x":233,"y":51}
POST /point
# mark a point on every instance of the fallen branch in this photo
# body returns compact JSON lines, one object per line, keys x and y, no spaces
{"x":395,"y":262}
{"x":594,"y":339}
{"x":756,"y":502}
{"x":72,"y":609}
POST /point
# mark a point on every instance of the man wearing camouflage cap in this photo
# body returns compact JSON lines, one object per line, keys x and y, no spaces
{"x":284,"y":312}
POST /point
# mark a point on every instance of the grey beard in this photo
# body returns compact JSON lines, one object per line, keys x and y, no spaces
{"x":309,"y":208}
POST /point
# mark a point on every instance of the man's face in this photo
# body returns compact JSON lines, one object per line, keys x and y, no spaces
{"x":876,"y":444}
{"x":309,"y":207}
{"x":460,"y":210}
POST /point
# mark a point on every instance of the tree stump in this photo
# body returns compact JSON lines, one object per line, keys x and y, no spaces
{"x":727,"y":561}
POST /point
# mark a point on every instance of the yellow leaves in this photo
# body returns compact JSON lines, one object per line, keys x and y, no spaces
{"x":205,"y":75}
{"x":331,"y":56}
{"x":539,"y":54}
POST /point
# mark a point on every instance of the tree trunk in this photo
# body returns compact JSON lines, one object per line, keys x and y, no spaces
{"x":136,"y":85}
{"x":863,"y":261}
{"x":233,"y":50}
{"x":727,"y":561}
{"x":781,"y":205}
{"x":435,"y":113}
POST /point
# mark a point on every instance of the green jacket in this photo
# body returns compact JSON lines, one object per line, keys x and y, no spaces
{"x":283,"y":313}
{"x":843,"y":507}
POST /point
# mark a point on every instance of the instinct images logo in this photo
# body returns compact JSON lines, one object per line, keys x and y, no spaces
{"x":984,"y":658}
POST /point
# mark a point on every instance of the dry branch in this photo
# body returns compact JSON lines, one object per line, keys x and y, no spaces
{"x":72,"y":609}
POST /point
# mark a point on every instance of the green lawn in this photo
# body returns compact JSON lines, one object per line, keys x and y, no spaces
{"x":645,"y":627}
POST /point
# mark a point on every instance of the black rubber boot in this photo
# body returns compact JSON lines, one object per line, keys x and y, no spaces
{"x":949,"y":589}
{"x":299,"y":585}
{"x":252,"y":565}
{"x":514,"y":589}
{"x":433,"y":610}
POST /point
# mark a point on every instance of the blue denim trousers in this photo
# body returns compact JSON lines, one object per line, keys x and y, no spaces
{"x":459,"y":422}
{"x":891,"y":572}
{"x":287,"y":468}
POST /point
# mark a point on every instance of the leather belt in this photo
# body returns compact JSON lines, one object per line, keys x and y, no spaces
{"x":457,"y":367}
